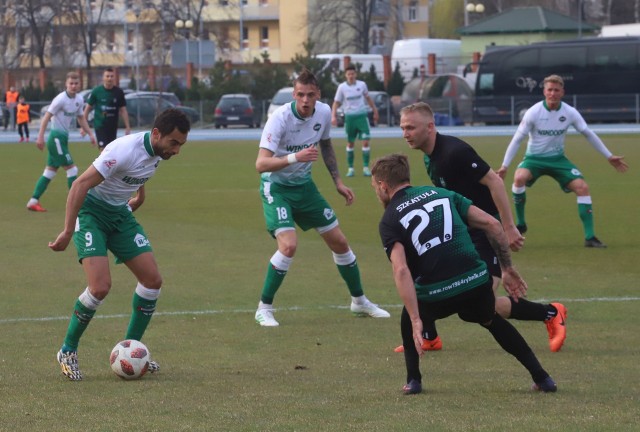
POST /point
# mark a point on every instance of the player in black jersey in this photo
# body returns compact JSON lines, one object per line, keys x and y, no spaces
{"x":453,"y":164}
{"x":438,"y":271}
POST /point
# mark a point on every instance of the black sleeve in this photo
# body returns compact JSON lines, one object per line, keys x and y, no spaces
{"x":471,"y":164}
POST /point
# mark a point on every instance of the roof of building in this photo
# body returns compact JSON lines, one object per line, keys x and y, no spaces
{"x":527,"y":20}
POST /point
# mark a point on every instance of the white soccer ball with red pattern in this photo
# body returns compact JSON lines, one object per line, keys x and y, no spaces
{"x":129,"y":359}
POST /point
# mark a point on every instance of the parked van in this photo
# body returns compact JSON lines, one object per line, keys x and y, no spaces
{"x":410,"y":54}
{"x":366,"y":60}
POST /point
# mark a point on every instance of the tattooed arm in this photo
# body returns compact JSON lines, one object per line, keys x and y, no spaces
{"x":329,"y":157}
{"x":511,"y":279}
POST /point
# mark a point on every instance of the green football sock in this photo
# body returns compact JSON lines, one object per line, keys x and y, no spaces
{"x":586,"y":215}
{"x":366,"y":155}
{"x":143,"y":310}
{"x":351,"y":275}
{"x":77,"y":325}
{"x":350,"y":157}
{"x":70,"y":181}
{"x":272,"y":282}
{"x":41,"y":186}
{"x":519,"y":200}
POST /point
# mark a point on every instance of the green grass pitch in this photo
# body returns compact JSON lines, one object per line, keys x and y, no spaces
{"x":322,"y":369}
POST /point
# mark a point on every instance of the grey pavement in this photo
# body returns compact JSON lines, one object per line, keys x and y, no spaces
{"x":382,"y":132}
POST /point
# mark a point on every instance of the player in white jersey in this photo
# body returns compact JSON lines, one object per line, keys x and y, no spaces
{"x":546,"y":123}
{"x":353,"y":96}
{"x":99,"y":217}
{"x":288,"y":147}
{"x":65,"y":109}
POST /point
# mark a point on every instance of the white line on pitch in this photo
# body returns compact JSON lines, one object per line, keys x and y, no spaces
{"x":293,"y":308}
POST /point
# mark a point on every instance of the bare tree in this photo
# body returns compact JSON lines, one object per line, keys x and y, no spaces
{"x":85,"y":19}
{"x":344,"y":25}
{"x":38,"y":16}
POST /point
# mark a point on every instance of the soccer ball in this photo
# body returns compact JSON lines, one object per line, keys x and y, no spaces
{"x":129,"y":359}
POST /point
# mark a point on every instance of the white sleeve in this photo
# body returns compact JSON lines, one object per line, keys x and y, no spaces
{"x":514,"y":145}
{"x":339,"y":96}
{"x":55,"y":106}
{"x":581,"y":126}
{"x":596,"y":142}
{"x":271,"y":133}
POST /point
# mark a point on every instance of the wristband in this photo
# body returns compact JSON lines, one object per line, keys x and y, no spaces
{"x":291,"y":158}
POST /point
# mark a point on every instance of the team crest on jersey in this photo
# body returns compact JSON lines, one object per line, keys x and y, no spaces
{"x":316,"y":127}
{"x":328,"y":213}
{"x":562,"y":118}
{"x":141,"y":241}
{"x":110,"y":163}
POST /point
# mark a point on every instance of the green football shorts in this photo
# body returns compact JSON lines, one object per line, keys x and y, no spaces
{"x":101,"y":226}
{"x":357,"y":126}
{"x":561,"y":169}
{"x":58,"y":148}
{"x":285,"y":206}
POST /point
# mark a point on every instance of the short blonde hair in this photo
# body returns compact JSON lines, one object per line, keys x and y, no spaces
{"x":556,"y":79}
{"x":420,"y":107}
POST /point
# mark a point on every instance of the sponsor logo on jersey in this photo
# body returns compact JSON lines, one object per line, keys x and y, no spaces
{"x":297,"y":148}
{"x":562,"y":118}
{"x":110,"y":163}
{"x":551,"y":132}
{"x":134,"y":181}
{"x":316,"y":127}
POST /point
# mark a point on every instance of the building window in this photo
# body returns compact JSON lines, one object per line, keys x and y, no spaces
{"x":111,"y":40}
{"x":264,"y":2}
{"x":264,"y":37}
{"x":130,"y":35}
{"x":224,"y":38}
{"x":413,"y":11}
{"x":378,"y":35}
{"x":224,"y":2}
{"x":245,"y":37}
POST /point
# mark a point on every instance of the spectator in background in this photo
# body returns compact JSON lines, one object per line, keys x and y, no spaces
{"x":11,"y":102}
{"x":23,"y":118}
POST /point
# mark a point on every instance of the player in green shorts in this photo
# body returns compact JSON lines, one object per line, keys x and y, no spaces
{"x":99,"y":218}
{"x":546,"y":123}
{"x":288,"y":148}
{"x":65,"y":109}
{"x":352,"y":96}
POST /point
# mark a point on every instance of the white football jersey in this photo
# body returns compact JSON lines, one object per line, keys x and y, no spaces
{"x":352,"y":97}
{"x":126,"y":164}
{"x":286,"y":132}
{"x":64,"y":111}
{"x":547,"y":129}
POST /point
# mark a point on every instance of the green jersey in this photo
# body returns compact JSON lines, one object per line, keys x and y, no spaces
{"x":431,"y":225}
{"x":106,"y":105}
